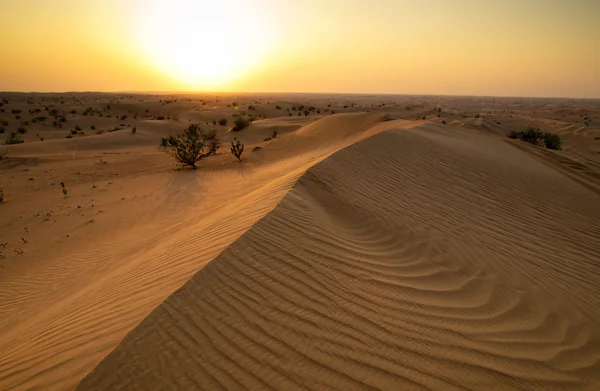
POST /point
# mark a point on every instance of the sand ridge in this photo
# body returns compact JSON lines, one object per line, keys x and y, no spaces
{"x":391,"y":265}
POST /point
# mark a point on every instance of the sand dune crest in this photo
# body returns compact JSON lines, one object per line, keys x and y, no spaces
{"x":424,"y":258}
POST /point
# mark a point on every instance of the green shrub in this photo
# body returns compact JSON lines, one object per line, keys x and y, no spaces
{"x":241,"y":122}
{"x":535,"y":136}
{"x":192,"y":145}
{"x":13,"y":138}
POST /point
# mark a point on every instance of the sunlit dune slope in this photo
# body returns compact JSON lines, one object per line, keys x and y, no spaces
{"x":130,"y":232}
{"x":423,"y":258}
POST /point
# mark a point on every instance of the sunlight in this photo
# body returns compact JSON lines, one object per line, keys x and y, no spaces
{"x":204,"y":44}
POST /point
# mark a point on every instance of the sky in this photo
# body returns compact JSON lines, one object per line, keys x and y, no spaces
{"x":546,"y":48}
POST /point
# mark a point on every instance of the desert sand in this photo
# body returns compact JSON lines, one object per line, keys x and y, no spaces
{"x":379,"y":242}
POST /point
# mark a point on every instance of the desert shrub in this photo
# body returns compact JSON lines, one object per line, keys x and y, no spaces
{"x":1,"y":196}
{"x":535,"y":136}
{"x":214,"y":122}
{"x":78,"y":128}
{"x":444,"y":122}
{"x":15,"y":111}
{"x":237,"y":149}
{"x":252,"y":108}
{"x":1,"y":129}
{"x":22,"y":130}
{"x":64,"y":189}
{"x":93,"y":127}
{"x":192,"y":145}
{"x":73,"y":131}
{"x":133,"y":130}
{"x":12,"y":139}
{"x":160,"y":117}
{"x":278,"y":107}
{"x":274,"y":133}
{"x":223,"y":122}
{"x":241,"y":122}
{"x":69,"y":135}
{"x":552,"y":141}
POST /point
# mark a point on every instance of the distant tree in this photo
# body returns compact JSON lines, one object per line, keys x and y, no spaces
{"x":192,"y":145}
{"x":237,"y":149}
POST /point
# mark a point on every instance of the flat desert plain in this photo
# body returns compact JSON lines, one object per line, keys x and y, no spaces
{"x":377,"y":243}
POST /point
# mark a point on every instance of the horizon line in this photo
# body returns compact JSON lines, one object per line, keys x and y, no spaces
{"x":188,"y":92}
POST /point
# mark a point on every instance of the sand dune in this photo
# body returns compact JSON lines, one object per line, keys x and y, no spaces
{"x":423,"y":258}
{"x":442,"y":256}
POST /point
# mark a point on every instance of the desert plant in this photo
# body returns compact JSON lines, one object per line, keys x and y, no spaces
{"x":223,"y":122}
{"x":274,"y":133}
{"x":241,"y":122}
{"x":21,"y":130}
{"x":133,"y":130}
{"x":93,"y":127}
{"x":535,"y":136}
{"x":1,"y":129}
{"x":1,"y":196}
{"x":214,"y":122}
{"x":12,"y":139}
{"x":192,"y":145}
{"x":237,"y":148}
{"x":69,"y":135}
{"x":73,"y":131}
{"x":64,"y":189}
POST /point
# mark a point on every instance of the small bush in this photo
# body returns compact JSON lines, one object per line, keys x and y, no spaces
{"x":133,"y":130}
{"x":241,"y":122}
{"x":1,"y":196}
{"x":15,"y":111}
{"x":73,"y":131}
{"x":214,"y":122}
{"x":12,"y":139}
{"x":237,"y":149}
{"x":92,"y":127}
{"x":223,"y":122}
{"x":192,"y":145}
{"x":535,"y":136}
{"x":69,"y":136}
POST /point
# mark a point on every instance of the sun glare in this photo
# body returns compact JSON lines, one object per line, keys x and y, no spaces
{"x":204,"y":44}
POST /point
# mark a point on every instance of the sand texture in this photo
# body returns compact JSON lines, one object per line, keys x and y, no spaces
{"x":370,"y":249}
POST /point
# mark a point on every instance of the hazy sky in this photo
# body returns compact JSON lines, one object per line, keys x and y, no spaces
{"x":462,"y":47}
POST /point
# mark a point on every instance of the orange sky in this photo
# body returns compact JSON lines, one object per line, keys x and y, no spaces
{"x":458,"y":47}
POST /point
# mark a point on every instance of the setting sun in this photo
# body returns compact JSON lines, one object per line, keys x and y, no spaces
{"x":203,"y":44}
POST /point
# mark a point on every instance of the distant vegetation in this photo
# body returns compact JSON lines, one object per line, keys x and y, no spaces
{"x":535,"y":136}
{"x":13,"y":138}
{"x":191,"y":145}
{"x":223,"y":122}
{"x":241,"y":122}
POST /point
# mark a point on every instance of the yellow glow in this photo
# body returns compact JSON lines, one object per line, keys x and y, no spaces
{"x":203,"y":44}
{"x":457,"y":47}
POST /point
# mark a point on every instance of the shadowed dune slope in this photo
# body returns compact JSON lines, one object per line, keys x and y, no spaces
{"x":414,"y":259}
